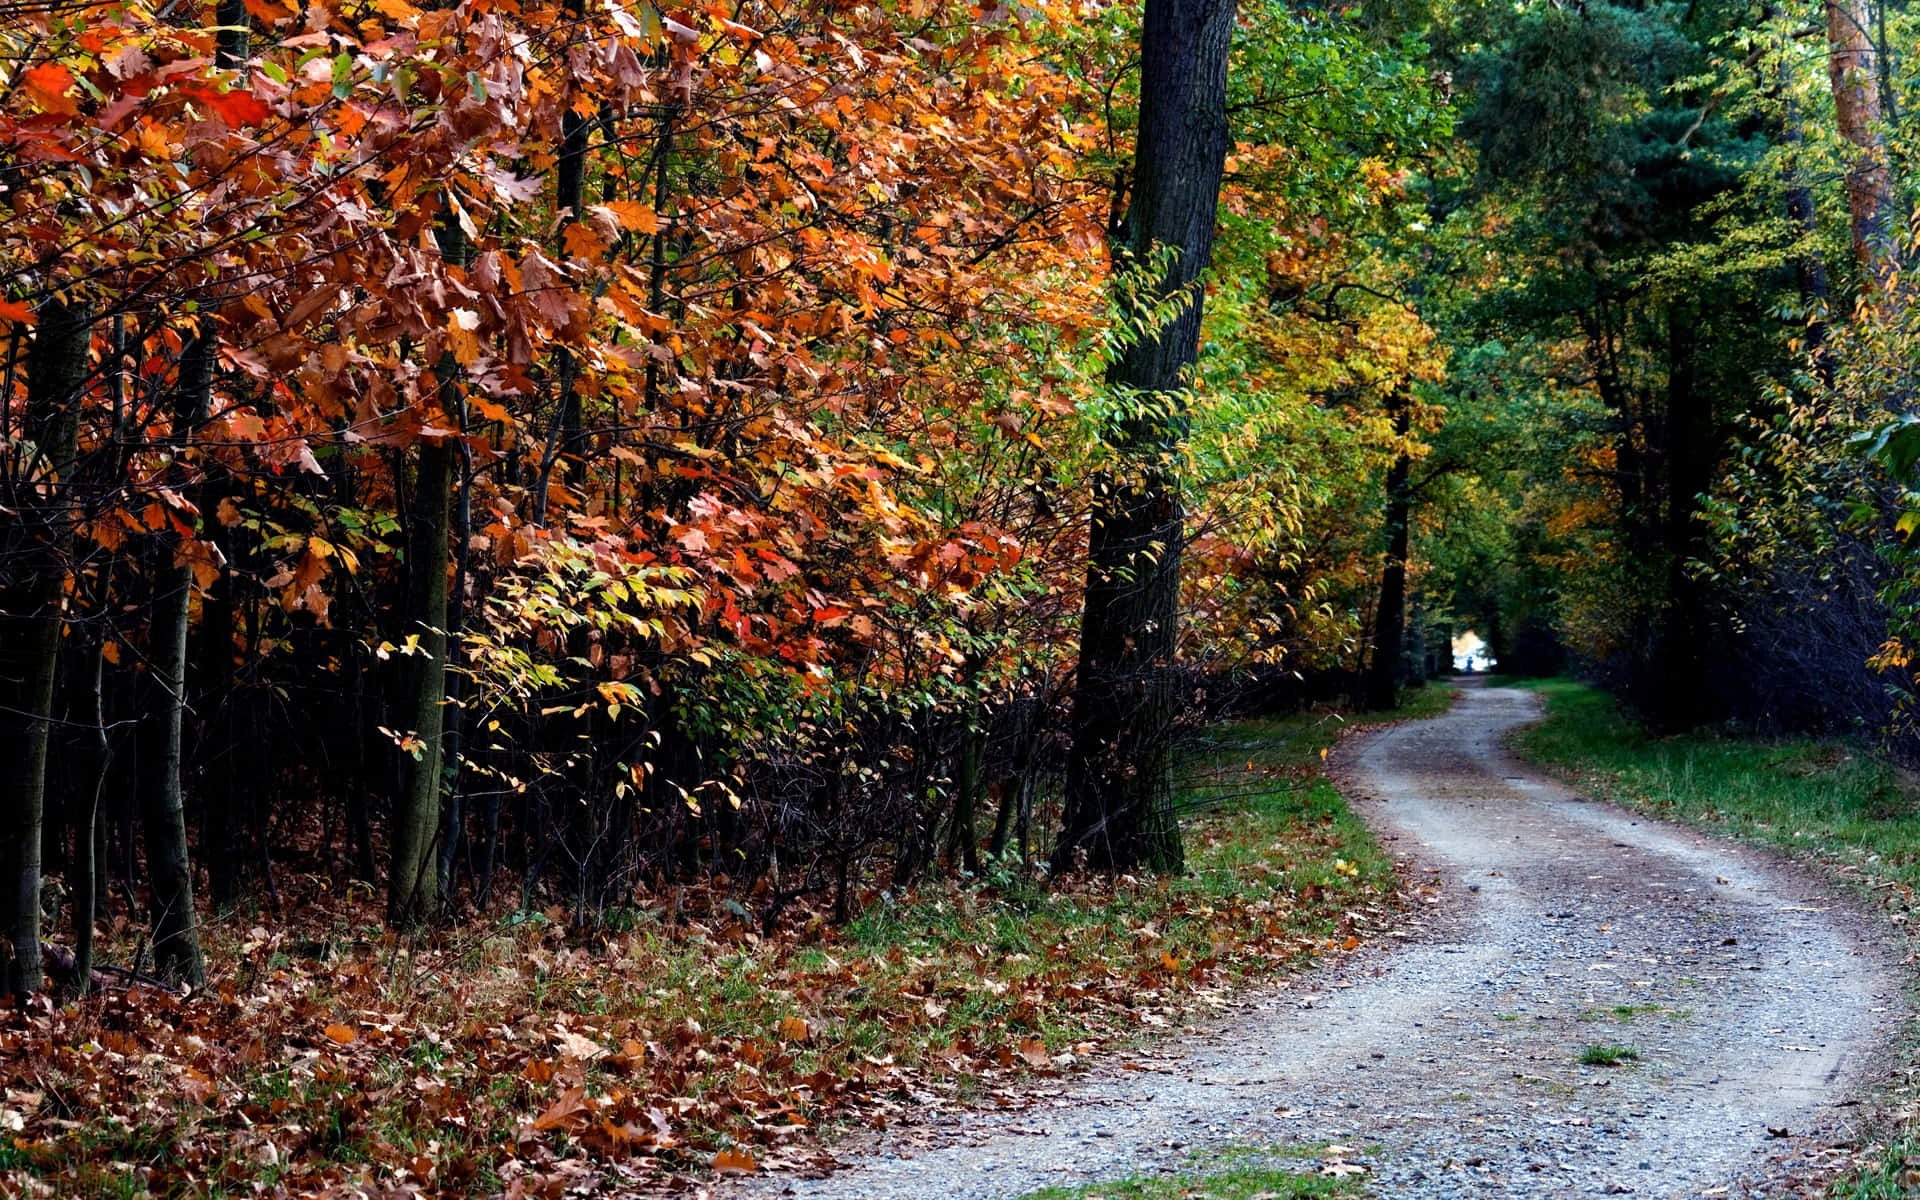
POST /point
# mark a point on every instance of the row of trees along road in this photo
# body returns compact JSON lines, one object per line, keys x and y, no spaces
{"x":530,"y":455}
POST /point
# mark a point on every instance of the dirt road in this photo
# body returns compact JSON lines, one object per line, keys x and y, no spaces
{"x":1754,"y":999}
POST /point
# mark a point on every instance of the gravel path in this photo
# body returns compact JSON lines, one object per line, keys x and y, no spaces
{"x":1450,"y":1064}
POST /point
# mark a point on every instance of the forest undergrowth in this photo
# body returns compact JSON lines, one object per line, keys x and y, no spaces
{"x":1827,"y":802}
{"x":520,"y":1057}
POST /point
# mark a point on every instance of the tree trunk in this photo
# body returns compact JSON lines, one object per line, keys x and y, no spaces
{"x":1119,"y":809}
{"x":1681,"y":697}
{"x":413,"y":880}
{"x":30,"y":622}
{"x":963,"y":839}
{"x":83,"y":888}
{"x":1853,"y":69}
{"x":176,"y":935}
{"x":1390,"y":616}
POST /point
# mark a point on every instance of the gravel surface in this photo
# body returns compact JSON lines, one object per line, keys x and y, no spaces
{"x":1448,"y":1065}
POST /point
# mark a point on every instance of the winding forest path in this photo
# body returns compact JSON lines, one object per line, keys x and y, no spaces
{"x":1756,"y":1001}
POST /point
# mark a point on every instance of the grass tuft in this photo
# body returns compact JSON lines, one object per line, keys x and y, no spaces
{"x":1608,"y":1056}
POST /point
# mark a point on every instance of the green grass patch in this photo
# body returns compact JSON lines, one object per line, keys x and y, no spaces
{"x":1893,"y":1175}
{"x":1608,"y":1056}
{"x":1805,"y":795}
{"x":1241,"y":1183}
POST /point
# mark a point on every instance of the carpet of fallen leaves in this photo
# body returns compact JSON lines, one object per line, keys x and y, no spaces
{"x":524,"y":1058}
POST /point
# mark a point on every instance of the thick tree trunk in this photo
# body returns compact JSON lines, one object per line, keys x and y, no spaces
{"x":1853,"y":69}
{"x":1390,"y":615}
{"x":30,"y":622}
{"x":1119,"y":809}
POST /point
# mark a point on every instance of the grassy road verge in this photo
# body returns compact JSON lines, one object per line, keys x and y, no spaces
{"x":1814,"y":798}
{"x":522,"y":1056}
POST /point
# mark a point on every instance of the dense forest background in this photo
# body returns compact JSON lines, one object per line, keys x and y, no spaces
{"x":507,"y":456}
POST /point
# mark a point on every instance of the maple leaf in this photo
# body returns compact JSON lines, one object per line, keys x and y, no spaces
{"x":640,"y":218}
{"x":49,"y":84}
{"x":581,"y":241}
{"x":236,"y":107}
{"x":461,"y":323}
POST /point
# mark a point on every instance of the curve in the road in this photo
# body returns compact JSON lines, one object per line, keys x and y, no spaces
{"x":1753,"y":997}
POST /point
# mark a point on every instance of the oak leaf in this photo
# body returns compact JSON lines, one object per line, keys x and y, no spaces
{"x":735,"y":1162}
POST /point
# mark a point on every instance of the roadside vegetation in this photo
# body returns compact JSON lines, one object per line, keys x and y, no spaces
{"x":1825,"y":799}
{"x":1334,"y":1177}
{"x":686,"y":1036}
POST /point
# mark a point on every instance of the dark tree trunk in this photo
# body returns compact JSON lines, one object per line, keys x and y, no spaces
{"x":83,"y":889}
{"x":1681,"y":699}
{"x":1390,"y":616}
{"x":963,"y":839}
{"x":413,"y":884}
{"x":1119,"y":809}
{"x":413,"y":879}
{"x":30,"y":622}
{"x":176,"y":935}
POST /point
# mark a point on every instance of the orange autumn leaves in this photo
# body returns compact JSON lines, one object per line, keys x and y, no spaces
{"x":788,"y":219}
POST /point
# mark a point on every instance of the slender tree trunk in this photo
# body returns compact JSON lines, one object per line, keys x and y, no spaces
{"x":30,"y":623}
{"x":1390,"y":616}
{"x":1853,"y":69}
{"x":1119,"y":807}
{"x":83,"y":888}
{"x":217,"y":744}
{"x":963,"y":840}
{"x":1809,"y":269}
{"x":456,"y":624}
{"x":570,"y":179}
{"x":413,"y":881}
{"x":1015,"y":788}
{"x":176,"y":935}
{"x":570,"y":199}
